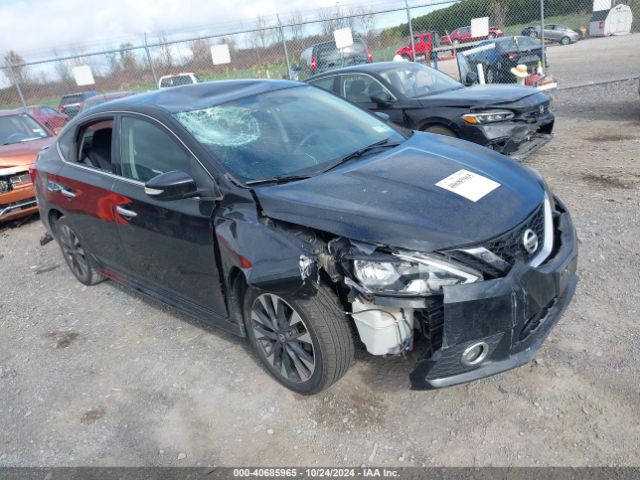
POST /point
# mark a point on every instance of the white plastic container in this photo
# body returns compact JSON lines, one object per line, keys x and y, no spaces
{"x":384,"y":330}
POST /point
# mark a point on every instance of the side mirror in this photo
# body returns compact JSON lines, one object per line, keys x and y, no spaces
{"x":173,"y":185}
{"x":383,"y":116}
{"x":471,"y":78}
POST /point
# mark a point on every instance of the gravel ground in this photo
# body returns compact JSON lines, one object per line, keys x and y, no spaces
{"x":101,"y":376}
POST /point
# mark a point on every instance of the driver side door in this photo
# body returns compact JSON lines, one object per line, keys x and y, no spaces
{"x":362,"y":89}
{"x":170,"y":244}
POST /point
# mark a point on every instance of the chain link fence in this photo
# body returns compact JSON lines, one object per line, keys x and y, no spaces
{"x":436,"y":32}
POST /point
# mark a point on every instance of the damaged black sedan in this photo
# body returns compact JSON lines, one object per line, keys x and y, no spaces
{"x":514,"y":120}
{"x":282,"y":213}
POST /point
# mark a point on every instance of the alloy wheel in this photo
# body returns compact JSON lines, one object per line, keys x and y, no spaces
{"x":282,"y":335}
{"x":74,"y":253}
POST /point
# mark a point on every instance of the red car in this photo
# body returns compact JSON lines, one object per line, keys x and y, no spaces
{"x":423,"y":44}
{"x":463,"y":35}
{"x":49,"y":117}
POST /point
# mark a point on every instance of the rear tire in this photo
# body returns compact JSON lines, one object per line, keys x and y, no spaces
{"x":491,"y":36}
{"x":406,"y":57}
{"x":440,"y":130}
{"x":533,"y":34}
{"x":304,"y":343}
{"x":77,"y":257}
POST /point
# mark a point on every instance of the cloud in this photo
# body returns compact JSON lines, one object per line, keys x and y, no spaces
{"x":36,"y":28}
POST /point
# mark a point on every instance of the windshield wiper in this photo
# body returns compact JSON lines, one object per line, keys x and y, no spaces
{"x":386,"y":143}
{"x":277,"y":179}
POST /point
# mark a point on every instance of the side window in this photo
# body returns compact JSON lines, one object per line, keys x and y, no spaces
{"x":361,"y":88}
{"x":465,"y":30}
{"x":326,"y":83}
{"x":147,"y":151}
{"x":65,"y":142}
{"x":94,"y":145}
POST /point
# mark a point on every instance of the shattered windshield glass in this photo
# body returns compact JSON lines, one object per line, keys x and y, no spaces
{"x":293,"y":131}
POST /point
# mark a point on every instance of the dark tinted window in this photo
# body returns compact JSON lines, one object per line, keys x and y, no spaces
{"x":147,"y":151}
{"x":95,"y":145}
{"x":324,"y":83}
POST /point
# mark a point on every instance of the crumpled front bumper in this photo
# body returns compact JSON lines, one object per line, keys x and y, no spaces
{"x":513,"y":315}
{"x":518,"y":139}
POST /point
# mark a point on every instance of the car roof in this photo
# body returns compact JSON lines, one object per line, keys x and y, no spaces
{"x":376,"y":67}
{"x":194,"y":96}
{"x":14,"y":111}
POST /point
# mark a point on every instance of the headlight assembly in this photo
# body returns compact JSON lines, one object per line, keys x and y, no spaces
{"x":489,"y":116}
{"x":4,"y":186}
{"x":412,"y":274}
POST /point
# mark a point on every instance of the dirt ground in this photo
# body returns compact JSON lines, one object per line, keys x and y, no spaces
{"x":101,"y":376}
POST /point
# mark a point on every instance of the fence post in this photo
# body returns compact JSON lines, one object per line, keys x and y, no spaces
{"x":17,"y":85}
{"x":413,"y":47}
{"x":284,"y":44}
{"x":153,"y":69}
{"x":544,"y":60}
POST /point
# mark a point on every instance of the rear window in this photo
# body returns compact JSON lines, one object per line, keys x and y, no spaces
{"x":329,"y":49}
{"x":75,"y":98}
{"x":176,"y":81}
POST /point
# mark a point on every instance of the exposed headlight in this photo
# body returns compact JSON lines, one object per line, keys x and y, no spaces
{"x":489,"y":116}
{"x":4,"y":186}
{"x":411,"y":274}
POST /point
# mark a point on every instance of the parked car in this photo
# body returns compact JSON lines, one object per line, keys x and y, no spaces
{"x":423,"y":43}
{"x":71,"y":104}
{"x":510,"y":119}
{"x":554,"y":32}
{"x":280,"y":212}
{"x":463,"y":35}
{"x":21,"y":138}
{"x":325,"y":56}
{"x":48,"y":116}
{"x":177,"y":80}
{"x":499,"y":56}
{"x":102,"y":98}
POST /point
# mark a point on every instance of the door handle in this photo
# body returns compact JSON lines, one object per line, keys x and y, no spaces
{"x":126,"y":213}
{"x":67,"y":192}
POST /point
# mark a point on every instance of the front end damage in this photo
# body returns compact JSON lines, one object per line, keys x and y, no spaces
{"x":17,"y":196}
{"x":471,"y":329}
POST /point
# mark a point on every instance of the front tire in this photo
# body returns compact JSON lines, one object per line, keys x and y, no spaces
{"x":565,"y":41}
{"x":305,"y":343}
{"x":76,"y":256}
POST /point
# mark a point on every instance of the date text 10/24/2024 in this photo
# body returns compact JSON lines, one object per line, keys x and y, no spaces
{"x":319,"y":472}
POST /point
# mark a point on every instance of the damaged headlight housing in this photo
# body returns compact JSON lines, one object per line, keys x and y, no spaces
{"x":489,"y":116}
{"x":412,"y":274}
{"x":4,"y":186}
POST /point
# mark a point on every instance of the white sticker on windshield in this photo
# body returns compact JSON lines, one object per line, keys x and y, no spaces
{"x":468,"y":185}
{"x":381,"y":128}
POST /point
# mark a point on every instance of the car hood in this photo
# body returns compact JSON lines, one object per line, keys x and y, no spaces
{"x":25,"y":153}
{"x":391,"y":198}
{"x":480,"y":95}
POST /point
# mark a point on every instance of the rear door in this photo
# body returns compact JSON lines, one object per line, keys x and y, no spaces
{"x":170,"y":245}
{"x":82,"y":188}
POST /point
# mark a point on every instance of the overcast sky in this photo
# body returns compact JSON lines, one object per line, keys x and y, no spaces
{"x":34,"y":28}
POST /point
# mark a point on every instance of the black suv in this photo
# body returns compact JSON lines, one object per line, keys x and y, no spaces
{"x":282,"y":213}
{"x":72,"y":104}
